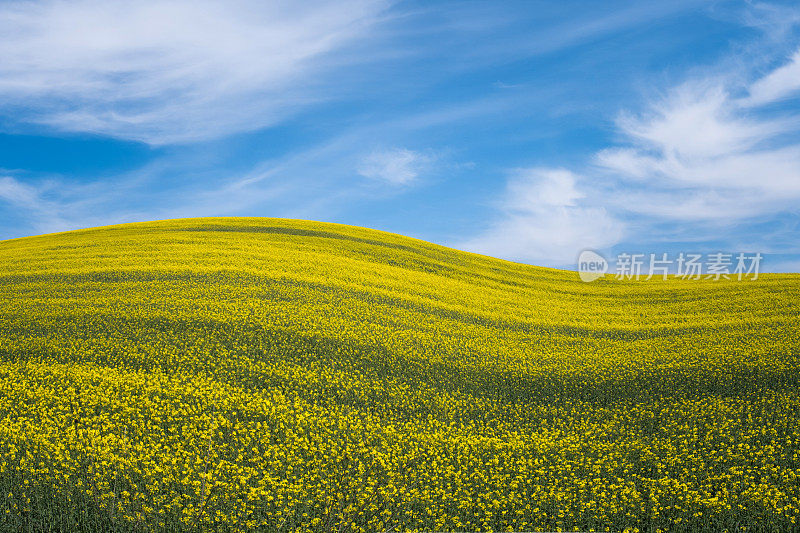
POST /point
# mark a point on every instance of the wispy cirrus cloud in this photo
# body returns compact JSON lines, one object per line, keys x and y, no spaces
{"x":396,"y":166}
{"x":700,"y":155}
{"x":499,"y":85}
{"x":26,"y":200}
{"x":164,"y":72}
{"x":779,"y":84}
{"x":689,"y":164}
{"x":18,"y":193}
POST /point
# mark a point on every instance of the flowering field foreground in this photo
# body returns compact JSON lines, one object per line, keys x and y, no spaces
{"x":244,"y":374}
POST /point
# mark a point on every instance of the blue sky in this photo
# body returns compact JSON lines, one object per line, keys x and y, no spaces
{"x":524,"y":130}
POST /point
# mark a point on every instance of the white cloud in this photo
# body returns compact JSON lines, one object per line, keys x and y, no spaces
{"x":542,"y":187}
{"x":697,"y":120}
{"x":689,"y":165}
{"x":542,"y":221}
{"x":781,"y":83}
{"x":396,"y":166}
{"x":27,"y":199}
{"x":699,"y":155}
{"x":165,"y":72}
{"x":51,"y":204}
{"x":18,"y":193}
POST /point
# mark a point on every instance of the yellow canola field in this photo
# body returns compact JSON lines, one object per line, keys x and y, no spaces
{"x":263,"y":374}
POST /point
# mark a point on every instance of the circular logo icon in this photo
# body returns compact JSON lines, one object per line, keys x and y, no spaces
{"x":591,"y":265}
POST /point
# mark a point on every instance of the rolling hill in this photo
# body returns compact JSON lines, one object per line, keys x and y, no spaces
{"x":254,"y":373}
